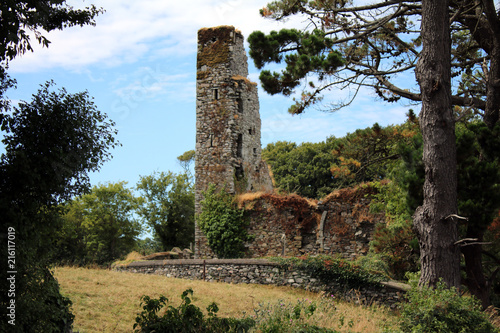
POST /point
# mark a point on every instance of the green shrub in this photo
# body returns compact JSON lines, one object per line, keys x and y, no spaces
{"x":284,"y":317}
{"x":186,"y":318}
{"x":442,"y":310}
{"x":399,"y":246}
{"x":223,"y":223}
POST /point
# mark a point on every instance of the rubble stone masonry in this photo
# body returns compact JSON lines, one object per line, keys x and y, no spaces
{"x":228,"y":147}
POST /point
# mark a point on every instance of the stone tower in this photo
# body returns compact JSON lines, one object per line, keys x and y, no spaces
{"x":228,"y":147}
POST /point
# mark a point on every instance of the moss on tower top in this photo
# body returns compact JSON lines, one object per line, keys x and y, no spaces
{"x":214,"y":45}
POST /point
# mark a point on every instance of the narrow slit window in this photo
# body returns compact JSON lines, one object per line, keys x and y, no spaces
{"x":240,"y":105}
{"x":216,"y":94}
{"x":239,"y":146}
{"x":211,"y":140}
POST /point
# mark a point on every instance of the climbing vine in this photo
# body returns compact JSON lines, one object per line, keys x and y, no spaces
{"x":223,"y":223}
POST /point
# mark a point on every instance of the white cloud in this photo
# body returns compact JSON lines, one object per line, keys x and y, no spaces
{"x":130,"y":30}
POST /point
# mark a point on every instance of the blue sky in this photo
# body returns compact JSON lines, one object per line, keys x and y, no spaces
{"x":139,"y":63}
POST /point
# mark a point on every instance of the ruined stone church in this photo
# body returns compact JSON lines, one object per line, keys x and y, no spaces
{"x":228,"y":153}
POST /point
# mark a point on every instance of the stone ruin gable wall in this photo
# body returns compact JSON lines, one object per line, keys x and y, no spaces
{"x":339,"y":225}
{"x":228,"y":126}
{"x":348,"y":224}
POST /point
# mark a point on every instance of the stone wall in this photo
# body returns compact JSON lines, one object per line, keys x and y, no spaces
{"x":288,"y":225}
{"x":262,"y":272}
{"x":228,"y":126}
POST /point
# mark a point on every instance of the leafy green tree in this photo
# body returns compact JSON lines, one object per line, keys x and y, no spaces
{"x":36,"y":174}
{"x":168,"y":208}
{"x":478,"y":160}
{"x":442,"y":310}
{"x":368,"y":154}
{"x":223,"y":223}
{"x":51,"y":143}
{"x":315,"y":169}
{"x":101,"y":224}
{"x":148,"y":246}
{"x":303,"y":169}
{"x":372,"y":44}
{"x":478,"y":196}
{"x":186,"y":161}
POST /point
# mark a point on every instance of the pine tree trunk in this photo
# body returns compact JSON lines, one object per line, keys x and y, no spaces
{"x":436,"y":231}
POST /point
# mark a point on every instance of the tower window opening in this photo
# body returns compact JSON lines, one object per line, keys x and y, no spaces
{"x":240,"y":105}
{"x":255,"y":152}
{"x":216,"y":94}
{"x":239,"y":174}
{"x":239,"y":146}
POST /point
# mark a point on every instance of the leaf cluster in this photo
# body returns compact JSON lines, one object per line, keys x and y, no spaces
{"x":168,"y":207}
{"x":302,"y":169}
{"x":186,"y":318}
{"x":442,"y":310}
{"x":52,"y":142}
{"x":20,"y":18}
{"x":376,"y":43}
{"x":99,"y":227}
{"x":399,"y":246}
{"x":223,"y":223}
{"x":314,"y":170}
{"x":282,"y":317}
{"x":303,"y":52}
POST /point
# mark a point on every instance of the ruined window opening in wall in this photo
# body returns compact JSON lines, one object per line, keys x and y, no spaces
{"x":250,"y":131}
{"x":239,"y":173}
{"x":240,"y":105}
{"x":239,"y":146}
{"x":211,"y":140}
{"x":214,"y":39}
{"x":255,"y":152}
{"x":216,"y":94}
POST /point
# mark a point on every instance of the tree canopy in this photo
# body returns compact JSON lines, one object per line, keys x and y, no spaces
{"x":51,"y":143}
{"x":100,"y":226}
{"x":375,"y":43}
{"x":19,"y":18}
{"x":169,"y":208}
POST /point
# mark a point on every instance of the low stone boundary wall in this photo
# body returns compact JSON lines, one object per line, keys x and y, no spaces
{"x":259,"y":271}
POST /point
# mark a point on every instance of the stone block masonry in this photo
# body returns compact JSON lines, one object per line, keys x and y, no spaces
{"x":259,"y":271}
{"x":289,"y":225}
{"x":228,"y":126}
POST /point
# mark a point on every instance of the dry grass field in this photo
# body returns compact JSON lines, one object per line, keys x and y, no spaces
{"x":108,"y":301}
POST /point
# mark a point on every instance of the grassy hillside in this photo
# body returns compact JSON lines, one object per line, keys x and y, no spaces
{"x":108,"y":301}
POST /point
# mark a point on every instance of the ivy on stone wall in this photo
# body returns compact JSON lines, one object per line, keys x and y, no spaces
{"x":223,"y":223}
{"x":330,"y":270}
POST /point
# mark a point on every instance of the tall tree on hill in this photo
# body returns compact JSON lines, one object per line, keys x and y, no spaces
{"x":435,"y":220}
{"x":99,"y":227}
{"x":168,"y":208}
{"x":51,"y":143}
{"x":351,"y":45}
